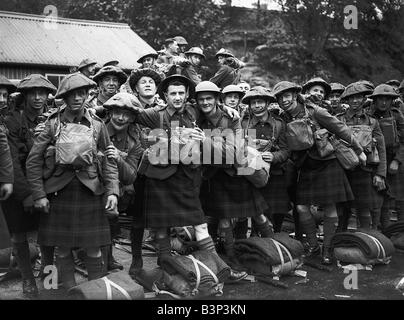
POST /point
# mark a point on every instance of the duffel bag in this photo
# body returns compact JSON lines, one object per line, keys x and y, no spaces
{"x":115,"y":286}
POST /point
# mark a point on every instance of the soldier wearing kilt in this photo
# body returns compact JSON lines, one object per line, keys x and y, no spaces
{"x":70,"y":181}
{"x":172,"y":187}
{"x":271,"y":142}
{"x":225,"y":194}
{"x":367,"y":181}
{"x":321,"y":180}
{"x":391,"y":122}
{"x":18,"y":209}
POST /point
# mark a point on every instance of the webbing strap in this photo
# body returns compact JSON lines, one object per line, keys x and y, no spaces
{"x":279,"y":246}
{"x":198,"y":272}
{"x":379,"y":245}
{"x":109,"y":284}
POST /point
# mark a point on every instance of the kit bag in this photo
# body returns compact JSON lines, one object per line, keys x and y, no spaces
{"x":363,"y":133}
{"x":389,"y":129}
{"x":346,"y":156}
{"x":324,"y":146}
{"x":299,"y":133}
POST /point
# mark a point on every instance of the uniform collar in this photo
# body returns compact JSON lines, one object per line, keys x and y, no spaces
{"x":215,"y":118}
{"x":350,"y":115}
{"x":254,"y":120}
{"x":71,"y":117}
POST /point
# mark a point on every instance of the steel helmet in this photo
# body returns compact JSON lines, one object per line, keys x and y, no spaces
{"x":181,"y":41}
{"x":284,"y":86}
{"x":359,"y":87}
{"x":86,"y":62}
{"x":111,"y":70}
{"x":207,"y":86}
{"x":393,"y":82}
{"x":233,"y":88}
{"x":72,"y":82}
{"x":123,"y":100}
{"x":162,"y":88}
{"x":195,"y":50}
{"x":258,"y":92}
{"x":224,"y":52}
{"x":152,"y":54}
{"x":35,"y":81}
{"x":337,"y":87}
{"x":5,"y":83}
{"x":384,"y":90}
{"x":317,"y":81}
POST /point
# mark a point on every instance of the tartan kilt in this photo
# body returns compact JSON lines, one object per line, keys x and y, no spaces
{"x":276,"y":194}
{"x":136,"y":210}
{"x":366,"y":196}
{"x":322,"y":182}
{"x":223,"y":196}
{"x":173,"y":202}
{"x":17,"y":220}
{"x":77,"y":219}
{"x":396,"y":184}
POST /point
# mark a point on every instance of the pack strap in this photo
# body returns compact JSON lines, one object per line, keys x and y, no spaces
{"x":380,"y":248}
{"x":158,"y":292}
{"x":198,"y":263}
{"x":109,"y":284}
{"x":279,"y":247}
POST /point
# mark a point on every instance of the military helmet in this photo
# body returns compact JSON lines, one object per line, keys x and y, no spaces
{"x":232,"y":88}
{"x":393,"y":82}
{"x":359,"y":87}
{"x":72,"y":82}
{"x":181,"y":41}
{"x":384,"y":90}
{"x":401,"y":87}
{"x":137,"y":74}
{"x":317,"y":81}
{"x":86,"y":62}
{"x":207,"y":86}
{"x":258,"y":92}
{"x":153,"y":54}
{"x":111,"y":70}
{"x":225,"y":53}
{"x":123,"y":100}
{"x":35,"y":81}
{"x":5,"y":83}
{"x":162,"y":88}
{"x":337,"y":87}
{"x":195,"y":50}
{"x":111,"y":63}
{"x":284,"y":86}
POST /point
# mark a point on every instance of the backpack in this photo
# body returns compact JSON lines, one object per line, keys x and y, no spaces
{"x":299,"y":133}
{"x":389,"y":129}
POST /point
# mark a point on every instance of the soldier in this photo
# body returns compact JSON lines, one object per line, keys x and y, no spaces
{"x":229,"y":71}
{"x":168,"y":55}
{"x":231,"y":97}
{"x":271,"y":142}
{"x":195,"y":56}
{"x":322,"y":180}
{"x":182,"y":44}
{"x":224,"y":194}
{"x":109,"y":80}
{"x":368,"y":180}
{"x":18,"y":209}
{"x":87,"y":67}
{"x":127,"y":152}
{"x":69,"y":193}
{"x":391,"y":122}
{"x":316,"y":90}
{"x":172,"y":190}
{"x":335,"y":98}
{"x":6,"y":89}
{"x":244,"y":86}
{"x":394,"y":83}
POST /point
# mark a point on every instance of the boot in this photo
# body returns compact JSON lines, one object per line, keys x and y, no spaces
{"x":344,"y":214}
{"x":112,"y":263}
{"x":241,"y":228}
{"x":327,"y":258}
{"x":309,"y":228}
{"x":66,"y":269}
{"x":95,"y":267}
{"x":265,"y":229}
{"x":364,"y":219}
{"x":21,"y":253}
{"x":230,"y":256}
{"x":136,"y":245}
{"x":330,"y":226}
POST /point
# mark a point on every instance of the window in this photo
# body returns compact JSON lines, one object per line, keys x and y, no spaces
{"x":55,"y":78}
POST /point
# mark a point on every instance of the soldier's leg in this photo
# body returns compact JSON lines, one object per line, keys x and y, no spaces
{"x":308,"y":226}
{"x":330,"y":226}
{"x":65,"y":265}
{"x":94,"y":263}
{"x":263,"y":226}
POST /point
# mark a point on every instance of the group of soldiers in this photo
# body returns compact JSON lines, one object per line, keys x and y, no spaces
{"x":69,"y":167}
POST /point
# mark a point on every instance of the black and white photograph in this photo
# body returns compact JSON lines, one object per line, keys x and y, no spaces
{"x":201,"y":155}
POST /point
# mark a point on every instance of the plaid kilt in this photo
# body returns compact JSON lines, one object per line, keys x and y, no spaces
{"x":173,"y":202}
{"x":366,"y":196}
{"x":77,"y":219}
{"x":396,"y":184}
{"x":17,"y":220}
{"x":276,"y":194}
{"x":322,"y":182}
{"x":223,"y":196}
{"x":136,"y":209}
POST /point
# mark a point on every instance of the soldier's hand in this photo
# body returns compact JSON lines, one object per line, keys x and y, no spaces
{"x":42,"y":205}
{"x":393,"y":168}
{"x":28,"y":204}
{"x":233,"y":113}
{"x":379,"y":183}
{"x":6,"y":189}
{"x":39,"y":129}
{"x":267,"y":156}
{"x":362,"y":159}
{"x":112,"y":152}
{"x":112,"y":205}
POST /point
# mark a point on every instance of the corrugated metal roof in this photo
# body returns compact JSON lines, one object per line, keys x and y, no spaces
{"x":32,"y":39}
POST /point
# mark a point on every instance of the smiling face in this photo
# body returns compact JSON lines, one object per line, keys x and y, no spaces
{"x":195,"y":59}
{"x":258,"y":107}
{"x":334,"y":98}
{"x":207,"y":101}
{"x":121,"y":118}
{"x":36,"y":98}
{"x":356,"y":101}
{"x":75,"y":99}
{"x":176,"y":96}
{"x":383,"y":103}
{"x":287,"y":101}
{"x":109,"y":84}
{"x":146,"y":87}
{"x":317,"y":91}
{"x":148,"y":62}
{"x":232,"y":99}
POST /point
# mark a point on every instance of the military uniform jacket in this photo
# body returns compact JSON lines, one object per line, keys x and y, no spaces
{"x":6,"y":163}
{"x":323,"y":119}
{"x":398,"y":152}
{"x":20,"y":128}
{"x":100,"y":177}
{"x":225,"y":76}
{"x":271,"y":137}
{"x":364,"y":119}
{"x":130,"y":151}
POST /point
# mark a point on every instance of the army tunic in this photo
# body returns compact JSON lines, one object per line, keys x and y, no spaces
{"x":223,"y":193}
{"x":77,"y":207}
{"x":361,"y":178}
{"x":20,"y":126}
{"x":320,"y":180}
{"x":395,"y":182}
{"x":271,"y":137}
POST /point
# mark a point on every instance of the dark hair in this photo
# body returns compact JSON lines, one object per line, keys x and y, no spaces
{"x":176,"y":83}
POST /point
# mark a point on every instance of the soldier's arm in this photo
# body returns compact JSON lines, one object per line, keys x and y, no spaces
{"x":128,"y":167}
{"x":284,"y":153}
{"x":399,"y":156}
{"x":381,"y":148}
{"x":6,"y":164}
{"x":148,"y":117}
